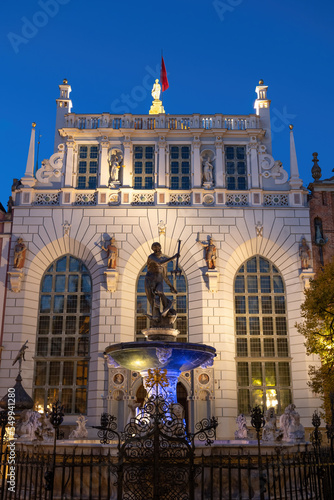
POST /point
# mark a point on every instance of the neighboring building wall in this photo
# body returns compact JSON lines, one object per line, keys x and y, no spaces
{"x":322,"y":207}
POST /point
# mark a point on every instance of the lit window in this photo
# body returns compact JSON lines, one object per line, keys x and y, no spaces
{"x":236,"y":169}
{"x":179,"y":167}
{"x":143,"y":167}
{"x":180,"y":303}
{"x":61,"y":360}
{"x":263,"y":366}
{"x":87,"y":167}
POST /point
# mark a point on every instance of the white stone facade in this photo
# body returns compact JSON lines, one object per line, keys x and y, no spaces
{"x":54,"y":218}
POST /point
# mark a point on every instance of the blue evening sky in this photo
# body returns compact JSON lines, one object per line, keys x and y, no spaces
{"x":215,"y":53}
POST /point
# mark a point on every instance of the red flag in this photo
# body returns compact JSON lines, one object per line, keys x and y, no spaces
{"x":163,"y":76}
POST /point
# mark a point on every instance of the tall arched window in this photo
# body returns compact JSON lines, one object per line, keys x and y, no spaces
{"x":61,"y":361}
{"x":180,"y":303}
{"x":263,"y":363}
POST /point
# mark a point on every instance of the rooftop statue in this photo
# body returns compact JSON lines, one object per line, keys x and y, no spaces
{"x":155,"y":276}
{"x":156,"y":90}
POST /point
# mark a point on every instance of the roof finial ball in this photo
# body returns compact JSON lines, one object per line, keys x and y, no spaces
{"x":65,"y":82}
{"x":261,"y":82}
{"x":33,"y":124}
{"x":316,"y":170}
{"x":291,"y":127}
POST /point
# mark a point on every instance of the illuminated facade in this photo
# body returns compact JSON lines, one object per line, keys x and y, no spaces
{"x":146,"y":178}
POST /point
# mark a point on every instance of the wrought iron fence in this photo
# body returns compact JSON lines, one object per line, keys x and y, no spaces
{"x":155,"y":458}
{"x":216,"y":476}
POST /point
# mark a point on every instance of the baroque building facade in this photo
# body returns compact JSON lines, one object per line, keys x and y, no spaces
{"x":158,"y":177}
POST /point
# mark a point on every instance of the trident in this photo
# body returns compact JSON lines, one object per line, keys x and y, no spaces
{"x":177,"y":270}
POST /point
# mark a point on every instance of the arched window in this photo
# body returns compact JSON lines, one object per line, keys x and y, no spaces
{"x":180,"y":303}
{"x":263,"y":363}
{"x":62,"y":348}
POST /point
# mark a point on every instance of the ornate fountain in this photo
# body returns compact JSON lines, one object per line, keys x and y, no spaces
{"x":161,"y":351}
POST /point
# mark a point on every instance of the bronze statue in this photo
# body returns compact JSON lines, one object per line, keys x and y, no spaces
{"x":210,"y":253}
{"x":20,"y":356}
{"x":19,"y":254}
{"x":111,"y":253}
{"x":155,"y":276}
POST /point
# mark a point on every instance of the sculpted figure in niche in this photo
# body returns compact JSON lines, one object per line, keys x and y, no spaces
{"x":155,"y":276}
{"x":305,"y":254}
{"x":210,"y":253}
{"x":115,"y":161}
{"x":207,"y":172}
{"x":156,"y":90}
{"x":19,"y":254}
{"x":111,"y":254}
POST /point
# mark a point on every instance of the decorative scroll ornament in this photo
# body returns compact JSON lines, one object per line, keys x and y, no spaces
{"x":271,"y":168}
{"x":259,"y":229}
{"x":15,"y":279}
{"x":162,"y":227}
{"x":52,"y":167}
{"x":157,"y":377}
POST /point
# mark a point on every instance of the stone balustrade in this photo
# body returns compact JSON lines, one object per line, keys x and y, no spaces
{"x":162,"y":121}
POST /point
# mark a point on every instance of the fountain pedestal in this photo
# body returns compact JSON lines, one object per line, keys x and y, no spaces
{"x":167,"y":354}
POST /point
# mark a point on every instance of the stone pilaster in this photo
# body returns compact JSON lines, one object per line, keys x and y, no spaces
{"x":196,"y":167}
{"x":70,"y":159}
{"x":103,"y":164}
{"x":162,"y":162}
{"x":127,"y":172}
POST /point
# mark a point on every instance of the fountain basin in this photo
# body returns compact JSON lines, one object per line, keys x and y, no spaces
{"x":175,"y":356}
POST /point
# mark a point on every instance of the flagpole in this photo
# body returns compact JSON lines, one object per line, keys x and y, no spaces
{"x":160,"y":78}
